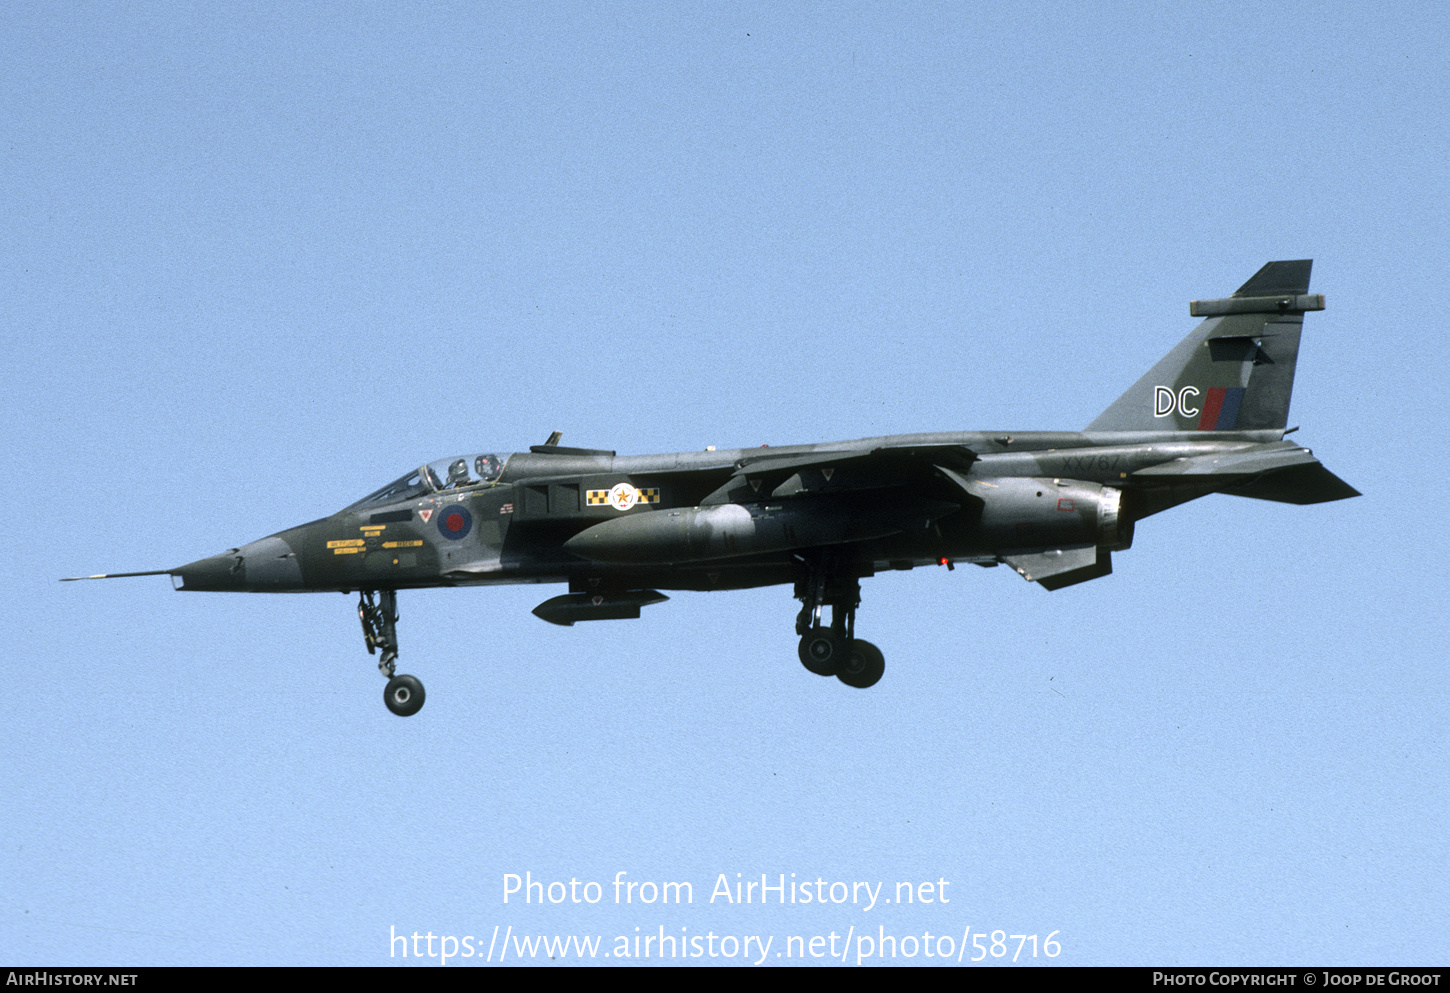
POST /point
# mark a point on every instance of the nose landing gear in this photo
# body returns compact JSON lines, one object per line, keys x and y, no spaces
{"x":378,"y":611}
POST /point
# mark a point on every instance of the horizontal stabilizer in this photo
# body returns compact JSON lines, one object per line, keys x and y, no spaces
{"x":1054,"y":568}
{"x":1279,"y":471}
{"x":1301,"y":484}
{"x":1243,"y":462}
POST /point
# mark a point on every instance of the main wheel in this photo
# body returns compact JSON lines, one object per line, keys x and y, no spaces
{"x":863,"y":667}
{"x":404,"y":695}
{"x":820,"y":651}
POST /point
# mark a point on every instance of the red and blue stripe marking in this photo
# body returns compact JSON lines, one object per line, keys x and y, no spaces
{"x":1221,"y":408}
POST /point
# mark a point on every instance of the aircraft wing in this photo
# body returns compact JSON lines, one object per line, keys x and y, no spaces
{"x":954,"y":456}
{"x":844,"y":469}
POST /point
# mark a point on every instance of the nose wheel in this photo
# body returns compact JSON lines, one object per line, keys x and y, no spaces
{"x":404,"y":695}
{"x":378,"y":612}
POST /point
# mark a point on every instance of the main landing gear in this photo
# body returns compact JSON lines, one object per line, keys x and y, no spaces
{"x":378,"y":612}
{"x":835,"y":650}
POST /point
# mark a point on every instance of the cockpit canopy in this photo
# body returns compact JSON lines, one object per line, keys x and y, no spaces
{"x":460,"y":472}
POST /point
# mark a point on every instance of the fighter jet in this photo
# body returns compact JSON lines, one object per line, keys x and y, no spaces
{"x":1210,"y":417}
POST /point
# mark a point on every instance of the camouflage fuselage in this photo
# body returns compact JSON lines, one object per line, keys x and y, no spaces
{"x":1008,"y":492}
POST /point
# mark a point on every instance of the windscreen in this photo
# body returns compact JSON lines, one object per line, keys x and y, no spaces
{"x":456,"y":473}
{"x":463,"y":471}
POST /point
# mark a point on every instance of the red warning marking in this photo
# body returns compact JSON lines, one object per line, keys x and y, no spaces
{"x":1066,"y":504}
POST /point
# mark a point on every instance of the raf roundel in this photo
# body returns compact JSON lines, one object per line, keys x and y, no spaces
{"x":454,"y":522}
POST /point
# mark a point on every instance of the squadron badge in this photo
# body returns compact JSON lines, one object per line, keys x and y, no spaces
{"x":623,"y":496}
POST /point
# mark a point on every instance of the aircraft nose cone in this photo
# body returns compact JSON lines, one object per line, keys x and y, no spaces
{"x":269,"y":564}
{"x":226,"y":571}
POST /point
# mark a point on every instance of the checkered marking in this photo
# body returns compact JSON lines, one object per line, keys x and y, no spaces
{"x":622,"y":496}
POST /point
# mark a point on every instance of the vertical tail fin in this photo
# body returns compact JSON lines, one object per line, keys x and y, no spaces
{"x":1235,"y":372}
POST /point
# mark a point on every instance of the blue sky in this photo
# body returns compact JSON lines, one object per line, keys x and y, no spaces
{"x":261,"y":260}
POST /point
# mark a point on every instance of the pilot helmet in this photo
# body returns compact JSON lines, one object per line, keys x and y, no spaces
{"x":488,"y":466}
{"x":458,"y":472}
